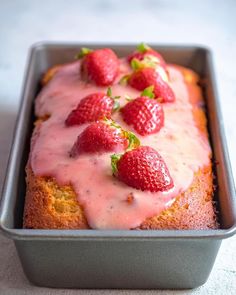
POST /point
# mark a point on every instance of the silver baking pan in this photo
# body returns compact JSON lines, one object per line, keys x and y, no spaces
{"x":116,"y":259}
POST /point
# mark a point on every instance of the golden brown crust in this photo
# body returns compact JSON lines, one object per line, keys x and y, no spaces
{"x":50,"y":206}
{"x":193,"y":209}
{"x":49,"y":74}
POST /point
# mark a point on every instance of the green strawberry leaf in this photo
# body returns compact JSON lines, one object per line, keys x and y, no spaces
{"x":124,"y":80}
{"x":134,"y":142}
{"x":148,"y":92}
{"x":114,"y":160}
{"x":109,"y":92}
{"x":151,"y":61}
{"x":111,"y":123}
{"x":142,"y":47}
{"x":84,"y":51}
{"x":128,"y":98}
{"x":136,"y":64}
{"x":116,"y":106}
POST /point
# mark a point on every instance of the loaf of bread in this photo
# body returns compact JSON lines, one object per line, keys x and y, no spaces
{"x":97,"y":163}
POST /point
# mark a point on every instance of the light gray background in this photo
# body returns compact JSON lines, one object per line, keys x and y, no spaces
{"x":211,"y":23}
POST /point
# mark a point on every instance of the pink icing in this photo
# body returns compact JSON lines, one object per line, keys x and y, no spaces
{"x":103,"y":197}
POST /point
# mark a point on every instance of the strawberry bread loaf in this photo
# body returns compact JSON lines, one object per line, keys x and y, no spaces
{"x":119,"y":143}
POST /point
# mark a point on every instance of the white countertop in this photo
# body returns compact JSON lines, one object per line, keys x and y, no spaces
{"x":210,"y":23}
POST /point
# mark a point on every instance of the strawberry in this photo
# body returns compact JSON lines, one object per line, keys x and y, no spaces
{"x":143,"y":51}
{"x":145,"y":77}
{"x":93,"y":107}
{"x":146,"y":57}
{"x":103,"y":136}
{"x":142,"y":168}
{"x":100,"y":66}
{"x":144,"y":113}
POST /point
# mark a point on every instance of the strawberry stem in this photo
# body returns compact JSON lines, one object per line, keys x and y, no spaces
{"x":128,"y":98}
{"x":148,"y":92}
{"x":111,"y":123}
{"x":114,"y":160}
{"x":142,"y":47}
{"x":149,"y":61}
{"x":84,"y":51}
{"x":116,"y":106}
{"x":124,"y":80}
{"x":109,"y":92}
{"x":136,"y":64}
{"x":134,"y":142}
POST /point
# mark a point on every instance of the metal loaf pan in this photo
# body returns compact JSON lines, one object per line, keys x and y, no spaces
{"x":115,"y":259}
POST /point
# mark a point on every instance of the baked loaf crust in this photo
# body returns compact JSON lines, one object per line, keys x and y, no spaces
{"x":48,"y":205}
{"x":51,"y":206}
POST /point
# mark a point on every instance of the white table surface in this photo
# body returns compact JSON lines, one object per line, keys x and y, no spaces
{"x":211,"y":23}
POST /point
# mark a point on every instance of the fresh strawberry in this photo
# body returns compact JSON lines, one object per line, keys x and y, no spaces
{"x":146,"y":57}
{"x":142,"y":168}
{"x":145,"y":77}
{"x":103,"y":136}
{"x":100,"y":66}
{"x":93,"y":107}
{"x":143,"y":51}
{"x":144,"y":113}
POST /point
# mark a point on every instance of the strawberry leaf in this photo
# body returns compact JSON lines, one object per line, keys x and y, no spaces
{"x":134,"y":142}
{"x":148,"y":92}
{"x":124,"y":80}
{"x":111,"y":123}
{"x":142,"y":47}
{"x":151,"y":61}
{"x":128,"y":98}
{"x":114,"y":160}
{"x":109,"y":92}
{"x":84,"y":51}
{"x":116,"y":106}
{"x":136,"y":64}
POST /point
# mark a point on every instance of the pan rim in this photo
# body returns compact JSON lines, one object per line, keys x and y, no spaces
{"x":38,"y":234}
